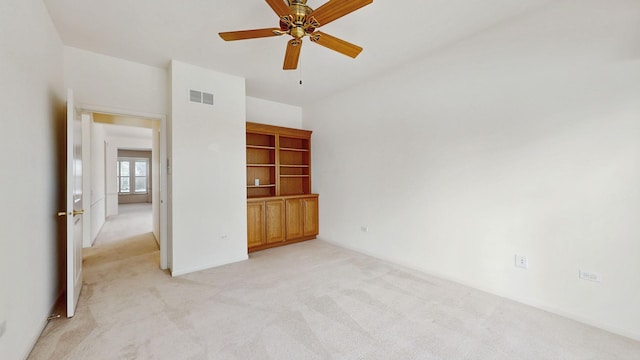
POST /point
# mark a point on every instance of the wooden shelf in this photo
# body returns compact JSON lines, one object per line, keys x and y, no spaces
{"x":294,"y":149}
{"x":279,"y":157}
{"x":262,"y":164}
{"x":259,"y":197}
{"x":259,"y":147}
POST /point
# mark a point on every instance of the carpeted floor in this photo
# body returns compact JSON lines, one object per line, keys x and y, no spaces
{"x":311,"y":300}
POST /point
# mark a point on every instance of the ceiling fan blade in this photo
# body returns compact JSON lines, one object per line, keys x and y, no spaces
{"x":292,"y":55}
{"x":336,"y":44}
{"x":248,"y":34}
{"x":335,"y":9}
{"x":279,"y":7}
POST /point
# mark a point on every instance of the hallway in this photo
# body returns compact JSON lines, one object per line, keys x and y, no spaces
{"x":133,"y":220}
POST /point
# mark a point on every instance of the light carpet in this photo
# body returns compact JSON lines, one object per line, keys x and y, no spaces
{"x":311,"y":300}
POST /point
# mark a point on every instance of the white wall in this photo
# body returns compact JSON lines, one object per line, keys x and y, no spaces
{"x":98,"y":185}
{"x":87,"y":168}
{"x":208,"y":170}
{"x":155,"y":179}
{"x":113,"y":144}
{"x":32,"y":117}
{"x":273,"y":113}
{"x":113,"y":85}
{"x":117,"y":84}
{"x":523,"y":139}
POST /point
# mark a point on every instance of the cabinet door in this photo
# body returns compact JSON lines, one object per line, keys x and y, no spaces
{"x":310,"y":216}
{"x":295,"y":219}
{"x":274,"y":213}
{"x":255,"y":224}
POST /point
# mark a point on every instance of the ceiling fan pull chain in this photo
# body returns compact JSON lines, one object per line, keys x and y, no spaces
{"x":300,"y":72}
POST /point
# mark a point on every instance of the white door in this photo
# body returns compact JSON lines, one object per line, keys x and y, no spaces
{"x":74,"y":209}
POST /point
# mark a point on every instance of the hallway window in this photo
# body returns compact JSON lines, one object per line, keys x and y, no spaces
{"x":133,"y":175}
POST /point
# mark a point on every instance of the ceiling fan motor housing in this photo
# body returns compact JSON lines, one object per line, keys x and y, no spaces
{"x":297,"y":2}
{"x":295,"y":24}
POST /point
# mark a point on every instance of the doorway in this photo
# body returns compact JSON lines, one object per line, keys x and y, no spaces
{"x":113,"y":132}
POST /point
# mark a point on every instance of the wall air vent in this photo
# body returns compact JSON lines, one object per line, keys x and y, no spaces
{"x":207,"y":98}
{"x":200,"y":97}
{"x":195,"y":96}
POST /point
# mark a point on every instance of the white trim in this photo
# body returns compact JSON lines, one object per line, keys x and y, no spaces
{"x":34,"y":339}
{"x":180,"y":272}
{"x":164,"y":195}
{"x":44,"y":323}
{"x":86,"y":179}
{"x":119,"y":111}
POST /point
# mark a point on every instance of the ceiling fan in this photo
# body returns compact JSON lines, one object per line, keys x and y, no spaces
{"x":299,"y":20}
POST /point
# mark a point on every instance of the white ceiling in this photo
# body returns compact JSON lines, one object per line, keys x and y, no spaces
{"x":392,"y":33}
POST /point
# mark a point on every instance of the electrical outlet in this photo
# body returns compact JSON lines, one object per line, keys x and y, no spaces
{"x":589,"y":275}
{"x":521,"y":261}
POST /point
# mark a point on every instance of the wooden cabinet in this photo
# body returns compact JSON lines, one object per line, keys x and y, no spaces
{"x":265,"y":223}
{"x":302,"y":217}
{"x":281,"y":220}
{"x":310,"y":226}
{"x":255,"y":224}
{"x":280,"y":206}
{"x":295,"y":218}
{"x":274,"y":221}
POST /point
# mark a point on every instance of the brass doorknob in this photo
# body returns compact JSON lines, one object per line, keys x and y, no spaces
{"x":74,"y":213}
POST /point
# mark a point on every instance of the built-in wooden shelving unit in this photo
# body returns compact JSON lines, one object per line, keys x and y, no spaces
{"x":280,"y":206}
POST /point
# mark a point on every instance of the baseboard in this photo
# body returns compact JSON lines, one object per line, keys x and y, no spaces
{"x":35,"y":338}
{"x":43,"y":324}
{"x":284,"y":243}
{"x":529,"y":302}
{"x":156,"y":238}
{"x":93,"y":241}
{"x":180,"y":272}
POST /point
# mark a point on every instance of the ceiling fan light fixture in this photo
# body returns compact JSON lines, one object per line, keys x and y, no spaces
{"x":298,"y":32}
